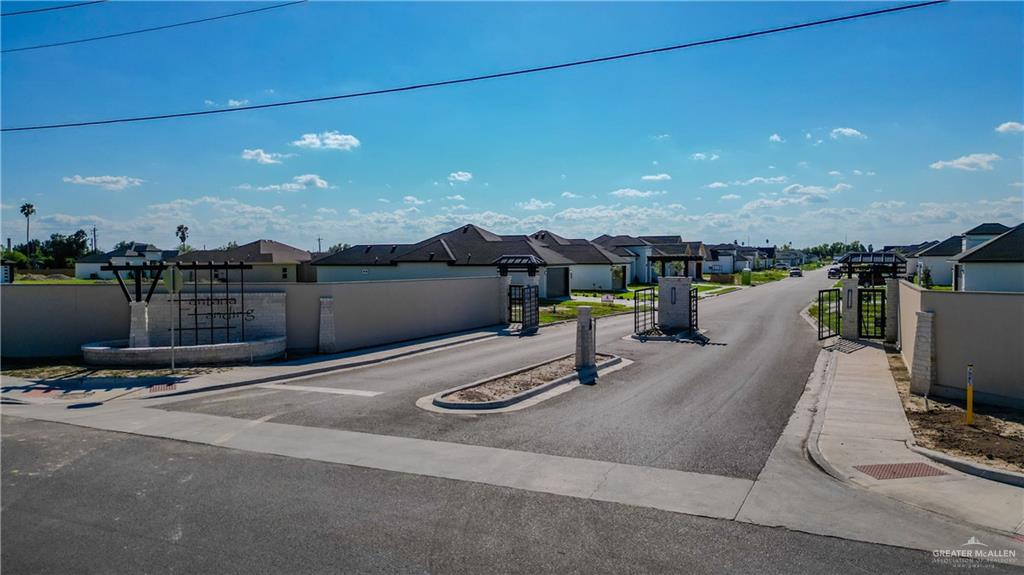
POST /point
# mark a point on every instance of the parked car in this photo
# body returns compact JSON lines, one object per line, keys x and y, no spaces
{"x":834,"y":273}
{"x":796,"y":273}
{"x":781,"y":265}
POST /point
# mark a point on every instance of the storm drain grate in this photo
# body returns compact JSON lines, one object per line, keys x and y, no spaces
{"x":899,"y":470}
{"x":163,"y":387}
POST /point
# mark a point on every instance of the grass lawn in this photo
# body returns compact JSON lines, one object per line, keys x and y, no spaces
{"x":71,"y":281}
{"x":941,"y":288}
{"x":762,"y":276}
{"x":812,"y":265}
{"x":551,"y":312}
{"x":726,"y":290}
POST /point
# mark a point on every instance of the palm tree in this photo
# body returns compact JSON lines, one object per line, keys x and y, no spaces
{"x":27,"y":210}
{"x":182,"y":233}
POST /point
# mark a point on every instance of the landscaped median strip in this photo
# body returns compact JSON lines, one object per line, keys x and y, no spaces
{"x":677,"y":491}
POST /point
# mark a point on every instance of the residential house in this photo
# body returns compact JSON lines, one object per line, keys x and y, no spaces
{"x":636,"y":250}
{"x":653,"y":255}
{"x":982,"y":233}
{"x":594,"y":267}
{"x":134,"y":253}
{"x":271,"y":262}
{"x":790,"y":258}
{"x":910,"y":252}
{"x":993,"y":265}
{"x":467,"y":251}
{"x":935,"y":259}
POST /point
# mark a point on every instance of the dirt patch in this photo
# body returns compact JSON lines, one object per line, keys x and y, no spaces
{"x":510,"y":385}
{"x":996,"y":439}
{"x":67,"y":372}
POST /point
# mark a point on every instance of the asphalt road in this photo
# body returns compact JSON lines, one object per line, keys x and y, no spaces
{"x":717,"y":408}
{"x":77,"y":500}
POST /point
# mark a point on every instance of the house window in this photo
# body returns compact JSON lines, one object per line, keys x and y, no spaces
{"x":284,"y":273}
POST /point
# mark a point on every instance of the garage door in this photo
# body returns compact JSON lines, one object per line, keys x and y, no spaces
{"x":558,"y":282}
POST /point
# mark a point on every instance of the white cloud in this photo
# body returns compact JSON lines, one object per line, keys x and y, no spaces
{"x":455,"y":198}
{"x":535,"y":204}
{"x":857,"y":173}
{"x":838,"y":173}
{"x":846,"y":133}
{"x":1010,"y":127}
{"x":232,"y":103}
{"x":384,"y":200}
{"x":701,"y":156}
{"x":775,"y":138}
{"x":761,"y":180}
{"x":209,"y":102}
{"x":970,"y":163}
{"x":262,"y":157}
{"x":891,"y":204}
{"x":570,"y":195}
{"x":413,"y":200}
{"x":326,"y":211}
{"x":298,"y":183}
{"x":656,"y":177}
{"x":332,"y":140}
{"x":631,"y":193}
{"x":1017,"y":185}
{"x":115,"y":183}
{"x":841,"y":187}
{"x":310,"y":179}
{"x":731,"y":197}
{"x":460,"y":176}
{"x":661,"y":136}
{"x":717,"y":185}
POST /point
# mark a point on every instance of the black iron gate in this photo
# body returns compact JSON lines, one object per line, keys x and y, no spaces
{"x":693,"y":311}
{"x":829,"y":313}
{"x":871,"y":313}
{"x":524,"y":306}
{"x":643,"y":311}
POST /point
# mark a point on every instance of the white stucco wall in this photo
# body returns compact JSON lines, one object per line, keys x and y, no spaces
{"x":723,"y":265}
{"x":590,"y":277}
{"x":86,"y":270}
{"x":941,"y":268}
{"x":1007,"y":277}
{"x":641,"y":269}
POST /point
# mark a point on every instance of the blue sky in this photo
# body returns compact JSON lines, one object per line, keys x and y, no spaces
{"x":885,"y":130}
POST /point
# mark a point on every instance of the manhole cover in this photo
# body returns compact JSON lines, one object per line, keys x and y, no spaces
{"x":899,"y":470}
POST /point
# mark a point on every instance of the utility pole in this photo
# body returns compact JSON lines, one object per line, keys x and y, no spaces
{"x":94,"y":238}
{"x":319,"y":246}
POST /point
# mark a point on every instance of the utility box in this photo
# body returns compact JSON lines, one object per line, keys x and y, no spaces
{"x":745,"y":276}
{"x":673,"y":304}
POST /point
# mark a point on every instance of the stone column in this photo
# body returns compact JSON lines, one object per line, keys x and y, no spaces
{"x":848,"y":324}
{"x":923,"y":371}
{"x":325,"y":340}
{"x":892,"y":310}
{"x":138,"y":332}
{"x":674,"y":303}
{"x":503,"y":284}
{"x":586,"y":345}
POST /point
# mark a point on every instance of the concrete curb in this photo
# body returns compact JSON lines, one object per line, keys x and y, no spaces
{"x":970,"y":467}
{"x":321,"y":370}
{"x":818,"y":421}
{"x":521,"y":396}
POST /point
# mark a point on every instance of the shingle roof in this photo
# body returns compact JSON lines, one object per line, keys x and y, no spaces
{"x":619,"y":241}
{"x":987,"y":229}
{"x":913,"y":253}
{"x":259,"y":252}
{"x":580,"y":251}
{"x":947,"y":247}
{"x":364,"y":255}
{"x":132,"y":249}
{"x":662,"y":239}
{"x":1007,"y":247}
{"x":679,"y":249}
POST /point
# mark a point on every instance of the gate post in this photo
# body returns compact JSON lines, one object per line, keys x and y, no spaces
{"x":673,"y":304}
{"x":504,"y":283}
{"x":892,"y":310}
{"x":586,"y":344}
{"x":325,"y":335}
{"x":851,"y":307}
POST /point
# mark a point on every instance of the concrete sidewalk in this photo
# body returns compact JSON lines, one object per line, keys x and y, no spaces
{"x":860,"y":436}
{"x":108,"y":389}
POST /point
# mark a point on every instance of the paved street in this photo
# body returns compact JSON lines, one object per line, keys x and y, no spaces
{"x":717,"y":408}
{"x":83,"y":501}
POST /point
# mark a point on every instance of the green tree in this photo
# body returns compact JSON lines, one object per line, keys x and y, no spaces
{"x":337,"y":248}
{"x":182,"y":233}
{"x":27,"y":210}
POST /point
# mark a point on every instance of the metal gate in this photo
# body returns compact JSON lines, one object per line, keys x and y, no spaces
{"x":829,"y":313}
{"x":871,"y":313}
{"x":643,"y":311}
{"x":694,"y":326}
{"x":524,"y":306}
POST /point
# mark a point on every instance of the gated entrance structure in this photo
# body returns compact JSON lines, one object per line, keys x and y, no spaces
{"x":871,"y":313}
{"x":524,"y":306}
{"x":829,"y":313}
{"x":643,"y":312}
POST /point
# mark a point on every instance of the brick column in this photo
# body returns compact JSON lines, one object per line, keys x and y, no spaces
{"x":848,"y":324}
{"x":674,"y":303}
{"x":138,"y":331}
{"x":325,"y":340}
{"x":923,"y":371}
{"x":892,"y":310}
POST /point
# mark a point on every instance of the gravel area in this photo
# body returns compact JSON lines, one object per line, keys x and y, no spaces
{"x":510,"y":385}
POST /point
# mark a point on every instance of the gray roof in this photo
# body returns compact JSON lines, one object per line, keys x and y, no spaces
{"x":257,"y":252}
{"x":987,"y":229}
{"x":580,"y":251}
{"x":874,"y":258}
{"x":1006,"y":248}
{"x":619,"y":241}
{"x":947,"y":247}
{"x":364,"y":255}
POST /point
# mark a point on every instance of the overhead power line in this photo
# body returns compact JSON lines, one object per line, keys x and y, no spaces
{"x":65,"y":6}
{"x":153,"y":29}
{"x":469,"y":79}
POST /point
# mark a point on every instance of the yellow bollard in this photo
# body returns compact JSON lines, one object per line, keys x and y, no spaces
{"x":970,"y":394}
